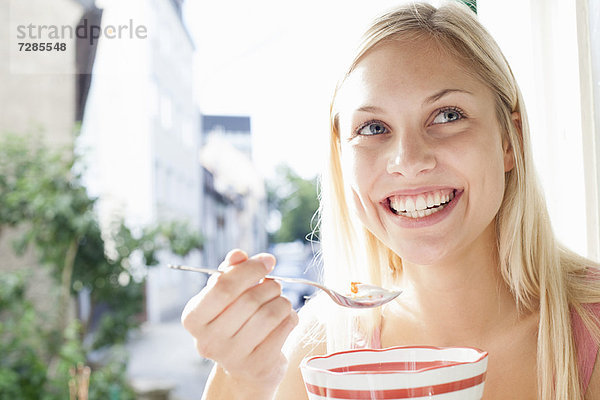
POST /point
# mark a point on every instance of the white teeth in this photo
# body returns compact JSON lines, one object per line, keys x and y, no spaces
{"x":422,"y":213}
{"x":410,"y":204}
{"x":430,"y":202}
{"x":421,"y":204}
{"x":401,"y":205}
{"x":397,"y":204}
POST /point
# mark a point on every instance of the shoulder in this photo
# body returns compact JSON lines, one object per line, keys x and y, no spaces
{"x":593,"y":389}
{"x":587,"y":345}
{"x":307,"y":339}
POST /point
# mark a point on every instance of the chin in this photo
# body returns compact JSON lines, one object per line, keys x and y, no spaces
{"x":421,"y":255}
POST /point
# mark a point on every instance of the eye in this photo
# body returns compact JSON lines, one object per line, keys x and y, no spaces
{"x":371,"y":128}
{"x":446,"y":115}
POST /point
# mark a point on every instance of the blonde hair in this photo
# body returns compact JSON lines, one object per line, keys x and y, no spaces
{"x":543,"y":275}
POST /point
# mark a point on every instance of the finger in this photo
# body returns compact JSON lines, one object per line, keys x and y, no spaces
{"x":270,"y":348}
{"x":267,"y":358}
{"x":239,"y":278}
{"x":262,"y":323}
{"x":237,"y":314}
{"x":234,"y":257}
{"x":227,"y":287}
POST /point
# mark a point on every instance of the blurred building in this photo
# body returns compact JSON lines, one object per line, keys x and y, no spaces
{"x":46,"y":100}
{"x":140,"y":136}
{"x":235,"y":129}
{"x":234,"y":206}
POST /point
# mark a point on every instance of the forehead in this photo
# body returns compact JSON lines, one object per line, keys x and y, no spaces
{"x":409,"y":69}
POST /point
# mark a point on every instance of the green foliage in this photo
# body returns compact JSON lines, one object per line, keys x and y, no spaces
{"x":118,"y":282}
{"x":22,"y":371}
{"x":27,"y":370}
{"x":38,"y":186}
{"x":472,"y":4}
{"x":297,"y":201}
{"x":181,"y":239}
{"x":40,"y":192}
{"x":42,"y":195}
{"x":123,"y":315}
{"x":109,"y":382}
{"x":177,"y":236}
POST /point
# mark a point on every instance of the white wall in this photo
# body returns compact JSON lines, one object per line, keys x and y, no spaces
{"x":540,"y":40}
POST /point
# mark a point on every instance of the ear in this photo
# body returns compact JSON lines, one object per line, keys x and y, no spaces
{"x":509,"y":156}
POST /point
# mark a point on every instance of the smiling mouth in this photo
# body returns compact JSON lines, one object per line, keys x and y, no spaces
{"x":421,"y":205}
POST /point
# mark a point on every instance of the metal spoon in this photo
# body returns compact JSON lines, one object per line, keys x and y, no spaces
{"x":365,"y":296}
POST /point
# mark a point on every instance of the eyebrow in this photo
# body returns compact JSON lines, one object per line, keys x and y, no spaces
{"x":370,"y":109}
{"x":431,"y":99}
{"x":442,"y":93}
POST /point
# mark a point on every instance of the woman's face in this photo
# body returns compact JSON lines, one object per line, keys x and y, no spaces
{"x":422,"y":151}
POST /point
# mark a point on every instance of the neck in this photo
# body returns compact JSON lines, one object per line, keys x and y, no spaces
{"x":462,"y":299}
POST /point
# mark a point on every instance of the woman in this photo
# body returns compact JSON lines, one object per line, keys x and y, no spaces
{"x":430,"y":188}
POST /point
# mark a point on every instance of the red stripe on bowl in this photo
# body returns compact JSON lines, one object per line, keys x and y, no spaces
{"x":396,"y":366}
{"x":308,"y":362}
{"x":406,"y":393}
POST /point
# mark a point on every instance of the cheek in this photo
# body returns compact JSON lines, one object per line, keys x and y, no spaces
{"x":359,"y":175}
{"x":491,"y":182}
{"x":351,"y":165}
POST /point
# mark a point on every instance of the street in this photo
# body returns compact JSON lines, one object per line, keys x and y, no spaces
{"x":163,"y":354}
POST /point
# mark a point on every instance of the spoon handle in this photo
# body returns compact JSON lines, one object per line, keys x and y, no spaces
{"x":298,"y":280}
{"x":278,"y":278}
{"x":195,"y":269}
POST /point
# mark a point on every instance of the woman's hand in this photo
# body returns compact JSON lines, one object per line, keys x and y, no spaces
{"x":240,"y":320}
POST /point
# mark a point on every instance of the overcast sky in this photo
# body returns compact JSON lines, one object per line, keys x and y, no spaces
{"x":278,"y":62}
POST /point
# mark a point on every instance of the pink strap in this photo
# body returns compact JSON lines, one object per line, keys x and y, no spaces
{"x":376,"y":339}
{"x":587,"y":348}
{"x":360,"y":341}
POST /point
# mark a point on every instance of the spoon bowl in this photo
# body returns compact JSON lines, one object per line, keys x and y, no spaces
{"x":362,"y":295}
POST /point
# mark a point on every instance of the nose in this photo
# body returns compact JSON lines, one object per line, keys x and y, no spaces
{"x":410,"y":156}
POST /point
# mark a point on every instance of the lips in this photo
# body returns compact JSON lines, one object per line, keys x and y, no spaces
{"x":422,"y":204}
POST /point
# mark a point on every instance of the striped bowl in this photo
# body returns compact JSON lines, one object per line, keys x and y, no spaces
{"x":407,"y":372}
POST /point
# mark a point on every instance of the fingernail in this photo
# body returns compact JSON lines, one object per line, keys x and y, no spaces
{"x":268,"y":261}
{"x":235,"y":256}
